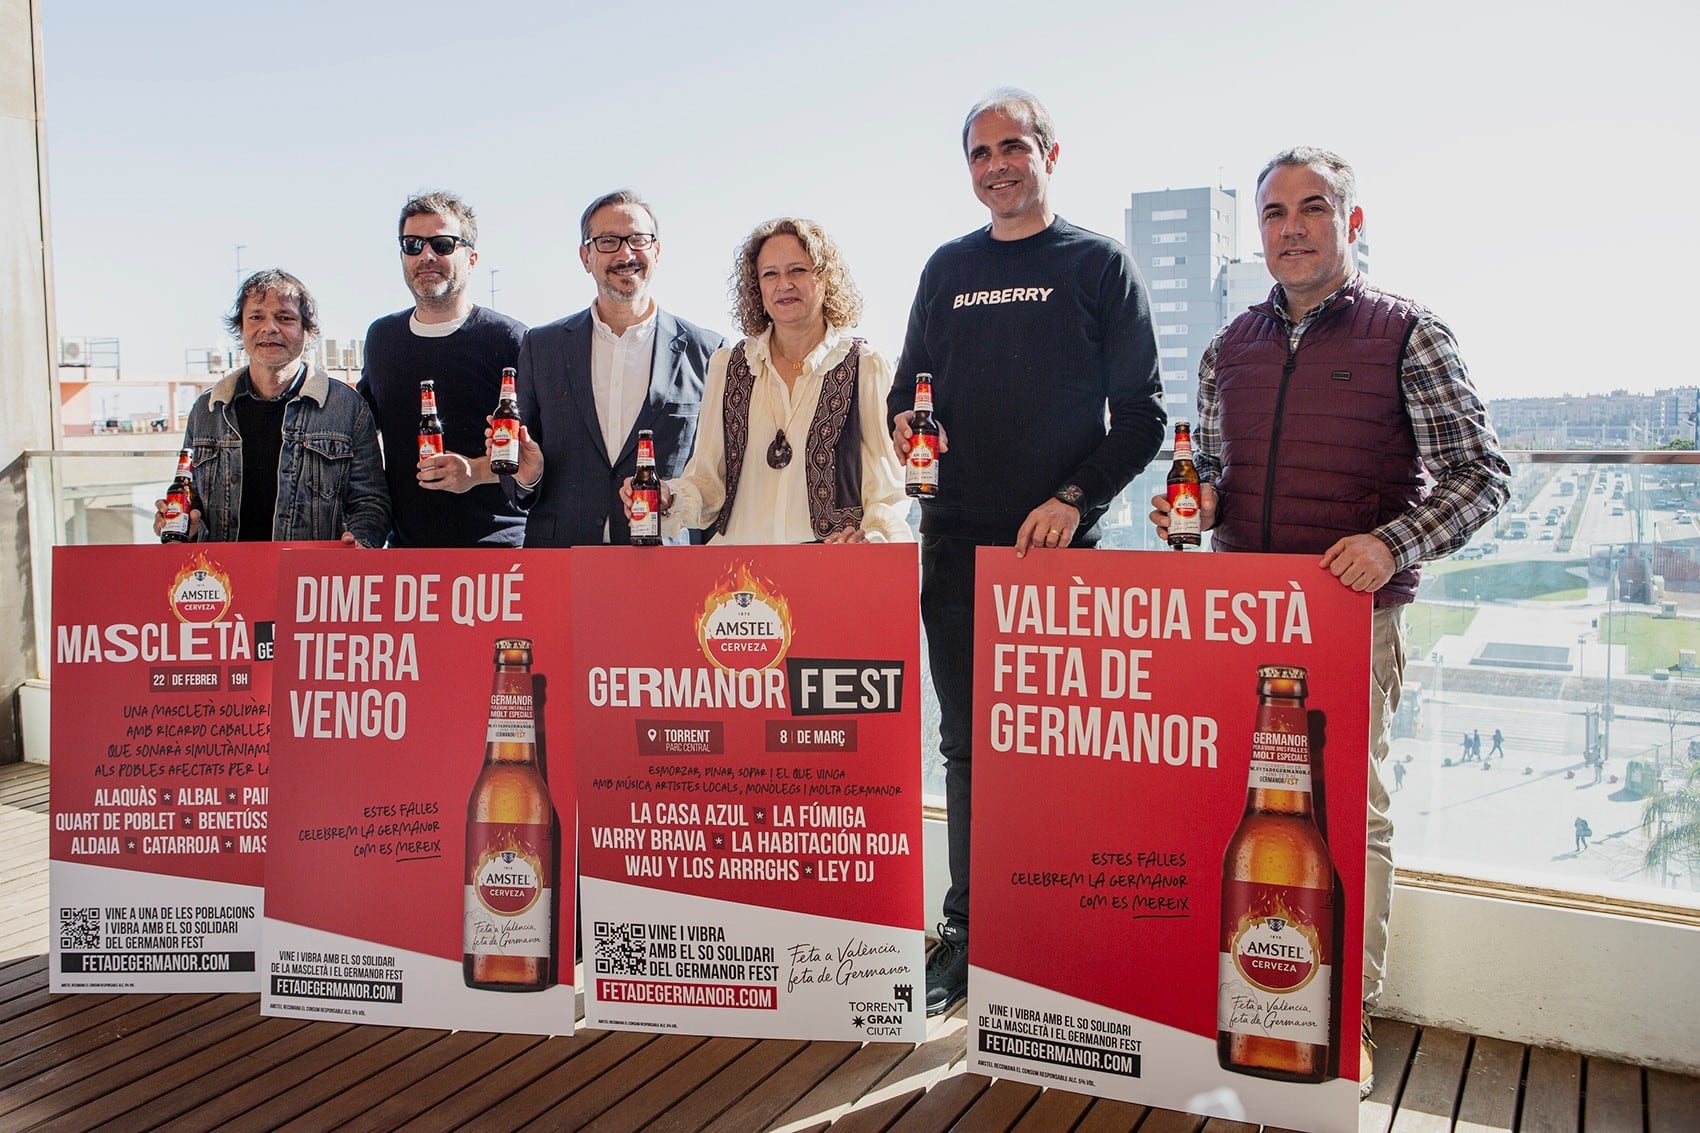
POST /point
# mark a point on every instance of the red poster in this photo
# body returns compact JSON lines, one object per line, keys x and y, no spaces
{"x":162,"y":675}
{"x":1125,"y":704}
{"x":421,"y":858}
{"x":749,"y":790}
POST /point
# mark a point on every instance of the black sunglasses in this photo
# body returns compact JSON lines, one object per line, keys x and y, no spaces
{"x":441,"y":245}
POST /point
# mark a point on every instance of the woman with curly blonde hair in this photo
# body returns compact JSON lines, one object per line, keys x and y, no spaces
{"x":790,"y":441}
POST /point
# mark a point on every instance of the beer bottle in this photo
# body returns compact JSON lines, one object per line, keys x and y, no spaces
{"x":430,"y":425}
{"x":504,"y":429}
{"x":179,"y":500}
{"x":508,"y":934}
{"x":1185,"y":520}
{"x":646,"y":495}
{"x":1277,"y":949}
{"x":921,"y":470}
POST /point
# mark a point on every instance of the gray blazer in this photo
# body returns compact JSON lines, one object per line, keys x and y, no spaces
{"x":580,"y":490}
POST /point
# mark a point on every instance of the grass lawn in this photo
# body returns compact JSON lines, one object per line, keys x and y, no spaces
{"x":1653,"y":642}
{"x":1426,"y":623}
{"x":1540,"y":579}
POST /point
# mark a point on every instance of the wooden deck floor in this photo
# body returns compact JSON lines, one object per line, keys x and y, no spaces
{"x":212,"y":1062}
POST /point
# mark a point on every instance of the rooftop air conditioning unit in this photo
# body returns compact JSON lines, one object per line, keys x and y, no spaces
{"x":72,"y":352}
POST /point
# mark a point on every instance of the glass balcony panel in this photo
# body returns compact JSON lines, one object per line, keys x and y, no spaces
{"x":1571,"y":626}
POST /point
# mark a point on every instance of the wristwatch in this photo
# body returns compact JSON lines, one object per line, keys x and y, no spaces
{"x":1072,"y":495}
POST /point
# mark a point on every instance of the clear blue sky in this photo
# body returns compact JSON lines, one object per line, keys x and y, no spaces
{"x":1528,"y":173}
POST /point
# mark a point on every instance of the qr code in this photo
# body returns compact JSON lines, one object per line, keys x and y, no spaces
{"x":79,"y":928}
{"x":620,"y":949}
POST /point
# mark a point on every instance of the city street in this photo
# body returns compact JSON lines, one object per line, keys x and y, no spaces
{"x":1516,"y":816}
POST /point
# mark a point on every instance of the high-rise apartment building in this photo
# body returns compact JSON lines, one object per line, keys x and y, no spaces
{"x":1182,"y":239}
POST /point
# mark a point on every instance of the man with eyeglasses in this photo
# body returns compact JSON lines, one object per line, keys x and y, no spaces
{"x":451,"y":499}
{"x":589,"y":382}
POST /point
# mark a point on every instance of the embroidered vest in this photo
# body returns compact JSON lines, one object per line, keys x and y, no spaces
{"x":832,"y":449}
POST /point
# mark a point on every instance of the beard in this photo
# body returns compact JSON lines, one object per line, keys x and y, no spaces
{"x":445,"y":289}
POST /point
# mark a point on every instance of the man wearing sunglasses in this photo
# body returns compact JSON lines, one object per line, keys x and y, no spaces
{"x":451,"y":499}
{"x":589,"y":382}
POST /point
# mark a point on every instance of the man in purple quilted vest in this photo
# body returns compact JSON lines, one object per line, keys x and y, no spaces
{"x":1337,"y":419}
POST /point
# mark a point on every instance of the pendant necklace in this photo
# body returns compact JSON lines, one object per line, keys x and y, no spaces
{"x":779,"y":452}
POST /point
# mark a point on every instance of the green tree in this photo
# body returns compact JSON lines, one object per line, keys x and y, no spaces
{"x":1672,"y":818}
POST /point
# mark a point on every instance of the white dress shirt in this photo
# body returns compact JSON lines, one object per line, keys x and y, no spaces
{"x":619,"y":376}
{"x":773,"y":503}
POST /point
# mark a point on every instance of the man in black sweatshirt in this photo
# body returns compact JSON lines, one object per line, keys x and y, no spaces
{"x":450,"y":499}
{"x":1030,"y":328}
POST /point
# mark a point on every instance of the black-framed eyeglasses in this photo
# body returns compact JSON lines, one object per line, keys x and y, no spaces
{"x":441,"y":245}
{"x":636,"y":241}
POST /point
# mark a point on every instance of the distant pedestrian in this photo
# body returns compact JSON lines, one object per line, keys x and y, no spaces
{"x":1476,"y":744}
{"x":1599,"y":767}
{"x":1583,"y":833}
{"x":1464,"y":754}
{"x":1398,"y":776}
{"x":1498,"y":743}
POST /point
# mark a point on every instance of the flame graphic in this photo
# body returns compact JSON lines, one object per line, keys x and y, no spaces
{"x":510,"y":843}
{"x":741,"y":578}
{"x":199,"y":564}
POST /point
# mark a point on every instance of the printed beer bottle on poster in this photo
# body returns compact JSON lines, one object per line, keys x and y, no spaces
{"x":1185,"y":501}
{"x":179,"y":500}
{"x":504,"y":428}
{"x":646,"y":495}
{"x":1277,"y":948}
{"x":508,"y":937}
{"x":921,"y":470}
{"x":430,"y":425}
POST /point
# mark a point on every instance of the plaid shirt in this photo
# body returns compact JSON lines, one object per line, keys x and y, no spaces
{"x":1459,"y":450}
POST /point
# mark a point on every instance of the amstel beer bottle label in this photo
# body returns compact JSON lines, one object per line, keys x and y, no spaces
{"x":1183,"y":510}
{"x":1280,"y":750}
{"x":504,"y":441}
{"x":923,"y":462}
{"x":176,"y":517}
{"x":511,"y":719}
{"x":646,"y":512}
{"x":508,"y":899}
{"x":1275,"y":962}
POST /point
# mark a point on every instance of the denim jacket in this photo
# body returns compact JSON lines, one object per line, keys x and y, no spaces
{"x":330,"y":477}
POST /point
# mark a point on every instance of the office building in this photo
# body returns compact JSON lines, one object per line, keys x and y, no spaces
{"x":1181,"y":239}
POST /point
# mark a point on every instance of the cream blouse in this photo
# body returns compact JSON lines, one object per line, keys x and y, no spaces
{"x":773,"y":504}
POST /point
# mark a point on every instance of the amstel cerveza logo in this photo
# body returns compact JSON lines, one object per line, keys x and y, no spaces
{"x":201,"y":591}
{"x":1276,"y":952}
{"x":509,"y":878}
{"x":745,"y":622}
